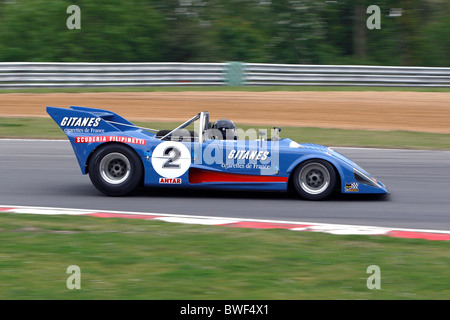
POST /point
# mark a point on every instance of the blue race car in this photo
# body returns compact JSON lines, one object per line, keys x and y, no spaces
{"x":119,"y":156}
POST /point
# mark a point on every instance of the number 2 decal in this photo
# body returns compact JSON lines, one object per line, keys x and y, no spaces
{"x":171,"y":159}
{"x":176,"y":154}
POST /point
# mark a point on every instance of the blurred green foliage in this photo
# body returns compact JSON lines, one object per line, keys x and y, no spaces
{"x":266,"y":31}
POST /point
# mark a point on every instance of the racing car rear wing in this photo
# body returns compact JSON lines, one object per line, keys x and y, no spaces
{"x":89,"y":120}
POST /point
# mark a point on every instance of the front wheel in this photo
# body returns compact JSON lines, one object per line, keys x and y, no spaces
{"x":314,"y":179}
{"x":115,"y":170}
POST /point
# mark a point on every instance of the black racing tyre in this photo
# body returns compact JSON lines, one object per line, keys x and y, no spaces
{"x":115,"y":169}
{"x":314,"y":179}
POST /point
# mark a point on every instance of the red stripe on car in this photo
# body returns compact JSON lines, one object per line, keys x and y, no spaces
{"x":202,"y":176}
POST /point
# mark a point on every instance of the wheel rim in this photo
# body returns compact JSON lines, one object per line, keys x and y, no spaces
{"x":115,"y":168}
{"x":314,"y":178}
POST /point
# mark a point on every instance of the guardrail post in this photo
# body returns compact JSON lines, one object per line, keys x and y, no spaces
{"x":234,"y":74}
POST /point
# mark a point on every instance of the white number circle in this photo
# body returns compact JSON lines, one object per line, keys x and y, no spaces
{"x":171,"y":159}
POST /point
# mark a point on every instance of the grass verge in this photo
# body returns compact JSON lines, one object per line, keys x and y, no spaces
{"x":137,"y":259}
{"x":45,"y":128}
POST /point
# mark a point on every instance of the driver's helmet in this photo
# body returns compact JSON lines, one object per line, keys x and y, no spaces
{"x":226,"y":128}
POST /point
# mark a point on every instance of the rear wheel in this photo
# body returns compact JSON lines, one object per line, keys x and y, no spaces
{"x":314,"y":179}
{"x":115,"y":169}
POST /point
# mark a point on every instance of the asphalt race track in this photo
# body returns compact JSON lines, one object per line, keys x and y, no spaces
{"x":46,"y":173}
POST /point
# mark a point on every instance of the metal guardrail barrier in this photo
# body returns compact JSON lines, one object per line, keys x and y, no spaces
{"x":54,"y":75}
{"x":282,"y":74}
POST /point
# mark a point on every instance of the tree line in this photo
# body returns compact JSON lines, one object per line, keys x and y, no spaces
{"x":411,"y":33}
